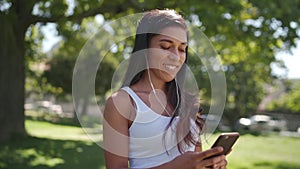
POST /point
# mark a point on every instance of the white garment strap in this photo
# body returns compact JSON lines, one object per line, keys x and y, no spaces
{"x":140,"y":105}
{"x":144,"y":113}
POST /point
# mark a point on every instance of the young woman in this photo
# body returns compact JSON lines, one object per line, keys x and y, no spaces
{"x":151,"y":122}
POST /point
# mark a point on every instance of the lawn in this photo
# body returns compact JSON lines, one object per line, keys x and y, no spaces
{"x":264,"y":152}
{"x":67,"y":147}
{"x":51,"y":146}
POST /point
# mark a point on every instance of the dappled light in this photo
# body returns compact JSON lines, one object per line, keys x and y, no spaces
{"x":47,"y":121}
{"x":46,"y":153}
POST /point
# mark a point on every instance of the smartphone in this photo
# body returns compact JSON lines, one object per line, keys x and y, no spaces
{"x":226,"y":140}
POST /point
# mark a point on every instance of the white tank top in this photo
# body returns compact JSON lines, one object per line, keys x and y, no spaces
{"x":147,"y":143}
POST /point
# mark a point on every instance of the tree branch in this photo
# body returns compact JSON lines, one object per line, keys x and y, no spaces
{"x":76,"y":17}
{"x":35,"y":19}
{"x":91,"y":12}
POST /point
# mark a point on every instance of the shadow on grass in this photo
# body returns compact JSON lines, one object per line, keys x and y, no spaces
{"x":277,"y":165}
{"x":40,"y":153}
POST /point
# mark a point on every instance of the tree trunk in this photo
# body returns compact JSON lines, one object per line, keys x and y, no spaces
{"x":12,"y":79}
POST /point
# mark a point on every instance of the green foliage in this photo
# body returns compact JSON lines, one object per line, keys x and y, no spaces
{"x":287,"y":102}
{"x":245,"y":33}
{"x":62,"y":63}
{"x":245,"y":36}
{"x":34,"y":58}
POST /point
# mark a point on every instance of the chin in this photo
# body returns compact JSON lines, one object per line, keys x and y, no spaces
{"x":169,"y":78}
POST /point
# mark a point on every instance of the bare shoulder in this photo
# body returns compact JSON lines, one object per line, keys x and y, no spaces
{"x":119,"y":98}
{"x":119,"y":103}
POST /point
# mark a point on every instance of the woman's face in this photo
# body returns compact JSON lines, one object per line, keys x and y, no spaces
{"x":167,"y":53}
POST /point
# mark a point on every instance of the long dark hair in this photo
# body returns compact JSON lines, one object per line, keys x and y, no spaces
{"x":149,"y":26}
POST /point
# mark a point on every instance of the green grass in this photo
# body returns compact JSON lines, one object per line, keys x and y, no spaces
{"x":43,"y":129}
{"x":51,"y":146}
{"x":68,"y":147}
{"x":264,"y":152}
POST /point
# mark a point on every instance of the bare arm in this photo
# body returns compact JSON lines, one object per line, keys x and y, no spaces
{"x":115,"y":126}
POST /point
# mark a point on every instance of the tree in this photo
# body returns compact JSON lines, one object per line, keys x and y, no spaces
{"x":246,"y":34}
{"x":61,"y":63}
{"x":16,"y":18}
{"x":63,"y":59}
{"x":288,"y":101}
{"x":258,"y":27}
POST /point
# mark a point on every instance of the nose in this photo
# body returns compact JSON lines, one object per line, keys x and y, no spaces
{"x":174,"y":55}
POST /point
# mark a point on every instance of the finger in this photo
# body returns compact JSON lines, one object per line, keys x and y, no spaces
{"x":223,"y":164}
{"x":211,"y":152}
{"x":215,"y":162}
{"x":219,"y":165}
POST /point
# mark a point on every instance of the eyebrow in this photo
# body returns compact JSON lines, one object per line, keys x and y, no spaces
{"x":170,"y":41}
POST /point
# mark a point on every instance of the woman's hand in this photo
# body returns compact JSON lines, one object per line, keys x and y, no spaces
{"x":198,"y":160}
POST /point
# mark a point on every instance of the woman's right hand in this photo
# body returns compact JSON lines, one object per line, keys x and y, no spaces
{"x":198,"y":160}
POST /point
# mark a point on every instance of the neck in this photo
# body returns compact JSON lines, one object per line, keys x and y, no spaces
{"x":151,"y":83}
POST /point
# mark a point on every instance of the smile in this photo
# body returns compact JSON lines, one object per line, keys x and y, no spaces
{"x":170,"y":67}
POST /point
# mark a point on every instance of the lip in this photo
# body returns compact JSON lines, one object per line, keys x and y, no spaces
{"x":171,"y":67}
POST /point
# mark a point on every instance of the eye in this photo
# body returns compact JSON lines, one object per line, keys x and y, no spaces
{"x":165,"y":47}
